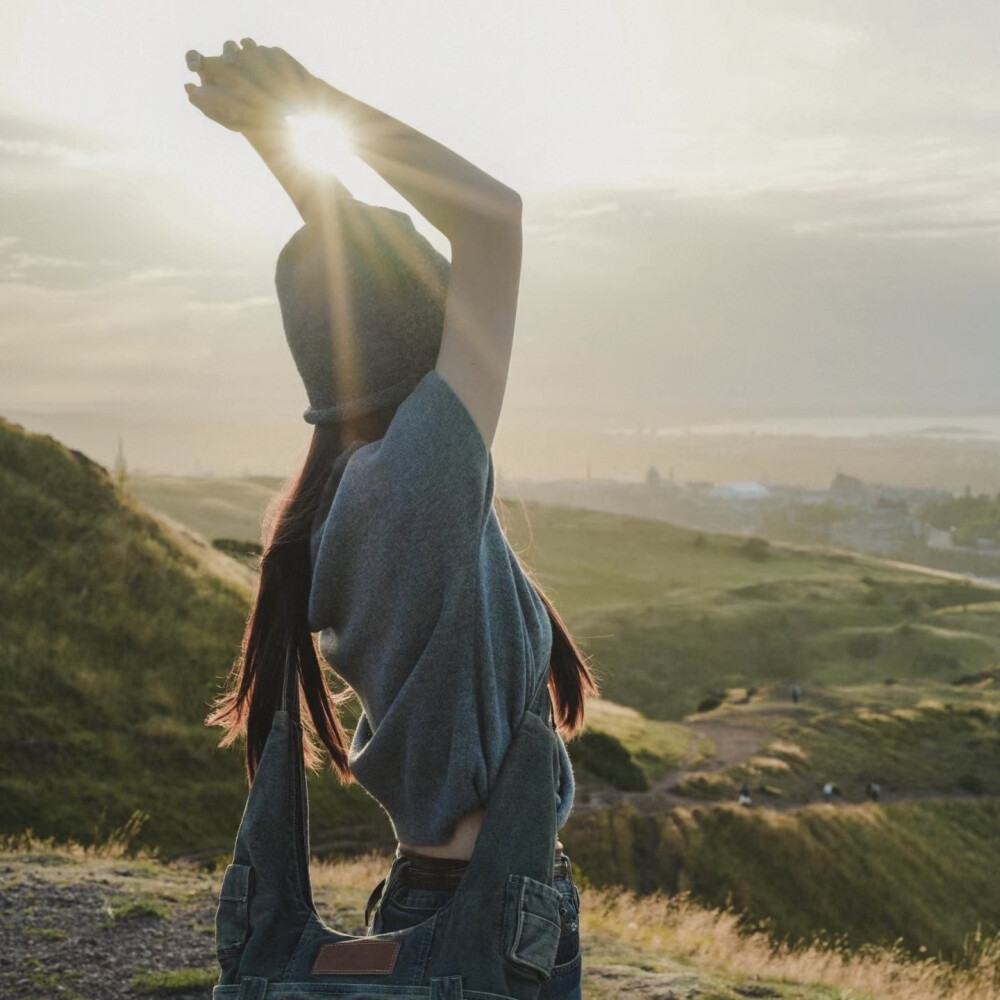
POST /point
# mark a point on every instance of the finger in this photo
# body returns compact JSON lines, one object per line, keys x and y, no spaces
{"x":212,"y":67}
{"x":220,"y":71}
{"x":255,"y":67}
{"x":248,"y":43}
{"x":230,"y":50}
{"x":221,"y":107}
{"x":193,"y":59}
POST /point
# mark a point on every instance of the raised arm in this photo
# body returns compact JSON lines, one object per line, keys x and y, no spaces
{"x":250,"y":90}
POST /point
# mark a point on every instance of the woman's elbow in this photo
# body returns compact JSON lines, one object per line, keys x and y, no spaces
{"x":499,"y":207}
{"x":490,"y":222}
{"x":511,"y":206}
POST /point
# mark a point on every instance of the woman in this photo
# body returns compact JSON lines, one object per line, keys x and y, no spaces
{"x":387,"y":544}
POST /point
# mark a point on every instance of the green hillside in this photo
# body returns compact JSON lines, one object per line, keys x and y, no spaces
{"x":898,"y":675}
{"x":921,"y":873}
{"x":215,"y":508}
{"x":115,"y":635}
{"x":672,"y":617}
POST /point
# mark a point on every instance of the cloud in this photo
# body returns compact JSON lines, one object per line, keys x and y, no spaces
{"x":146,"y":347}
{"x":770,"y":304}
{"x":856,"y":299}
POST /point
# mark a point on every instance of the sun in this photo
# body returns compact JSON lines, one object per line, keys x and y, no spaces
{"x":322,"y":144}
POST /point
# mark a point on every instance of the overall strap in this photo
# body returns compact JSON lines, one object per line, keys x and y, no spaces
{"x":509,"y":877}
{"x":290,"y":683}
{"x":272,"y":847}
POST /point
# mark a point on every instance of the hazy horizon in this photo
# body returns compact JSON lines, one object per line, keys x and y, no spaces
{"x":891,"y":451}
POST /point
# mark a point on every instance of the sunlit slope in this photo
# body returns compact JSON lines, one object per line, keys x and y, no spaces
{"x":215,"y":507}
{"x":923,"y":872}
{"x":115,"y":634}
{"x":671,"y":616}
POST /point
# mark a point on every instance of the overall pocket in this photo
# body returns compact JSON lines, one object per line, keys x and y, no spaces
{"x":531,"y":925}
{"x":232,"y":919}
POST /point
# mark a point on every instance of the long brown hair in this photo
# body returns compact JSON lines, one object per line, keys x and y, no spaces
{"x":278,"y":627}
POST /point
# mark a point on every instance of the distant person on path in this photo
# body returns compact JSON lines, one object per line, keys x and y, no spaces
{"x":744,"y":796}
{"x":828,"y":790}
{"x":874,"y":790}
{"x":387,"y":546}
{"x":796,"y":693}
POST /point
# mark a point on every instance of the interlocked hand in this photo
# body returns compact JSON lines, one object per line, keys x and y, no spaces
{"x":249,"y":88}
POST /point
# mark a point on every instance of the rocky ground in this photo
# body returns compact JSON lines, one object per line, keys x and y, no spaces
{"x":103,"y":929}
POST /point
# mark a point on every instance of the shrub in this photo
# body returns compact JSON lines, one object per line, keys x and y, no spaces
{"x":605,"y":757}
{"x":237,"y":547}
{"x":756,"y":549}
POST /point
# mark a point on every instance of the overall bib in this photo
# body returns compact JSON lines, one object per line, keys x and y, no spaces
{"x":495,"y":940}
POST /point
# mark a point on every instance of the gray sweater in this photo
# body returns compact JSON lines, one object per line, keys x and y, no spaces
{"x":424,"y":610}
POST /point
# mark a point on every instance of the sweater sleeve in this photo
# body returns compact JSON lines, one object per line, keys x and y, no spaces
{"x":403,"y":530}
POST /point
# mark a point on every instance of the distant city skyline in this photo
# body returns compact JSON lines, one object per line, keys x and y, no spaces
{"x":734,"y":212}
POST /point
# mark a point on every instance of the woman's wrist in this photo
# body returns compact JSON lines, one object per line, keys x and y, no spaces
{"x":271,"y":135}
{"x":327,"y":99}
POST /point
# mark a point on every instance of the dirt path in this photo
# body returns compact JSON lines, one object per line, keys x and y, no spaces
{"x":733,"y":745}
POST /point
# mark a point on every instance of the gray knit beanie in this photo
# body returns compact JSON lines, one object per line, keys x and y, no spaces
{"x":362,"y":301}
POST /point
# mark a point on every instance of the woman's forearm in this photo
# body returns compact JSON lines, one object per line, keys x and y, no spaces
{"x":452,"y":194}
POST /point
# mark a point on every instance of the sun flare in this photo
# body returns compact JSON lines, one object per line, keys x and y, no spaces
{"x":322,"y":143}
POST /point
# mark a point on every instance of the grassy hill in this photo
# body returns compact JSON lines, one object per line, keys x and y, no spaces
{"x":920,"y":873}
{"x":673,"y":617}
{"x":115,"y":635}
{"x":897,"y":669}
{"x":215,"y":508}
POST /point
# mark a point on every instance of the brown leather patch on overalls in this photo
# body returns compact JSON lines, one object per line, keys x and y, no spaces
{"x":374,"y":957}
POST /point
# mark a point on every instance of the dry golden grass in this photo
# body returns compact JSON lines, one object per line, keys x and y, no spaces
{"x":785,"y":748}
{"x":359,"y":873}
{"x":769,"y":765}
{"x":117,"y":844}
{"x":687,"y":934}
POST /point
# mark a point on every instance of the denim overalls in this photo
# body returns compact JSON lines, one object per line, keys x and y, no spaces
{"x":495,"y":940}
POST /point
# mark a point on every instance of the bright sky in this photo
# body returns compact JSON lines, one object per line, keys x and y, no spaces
{"x":735,"y":209}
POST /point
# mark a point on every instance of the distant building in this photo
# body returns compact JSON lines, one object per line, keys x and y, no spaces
{"x":741,"y":491}
{"x":849,"y":491}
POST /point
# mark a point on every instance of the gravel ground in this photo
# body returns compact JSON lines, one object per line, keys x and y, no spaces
{"x":82,"y":929}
